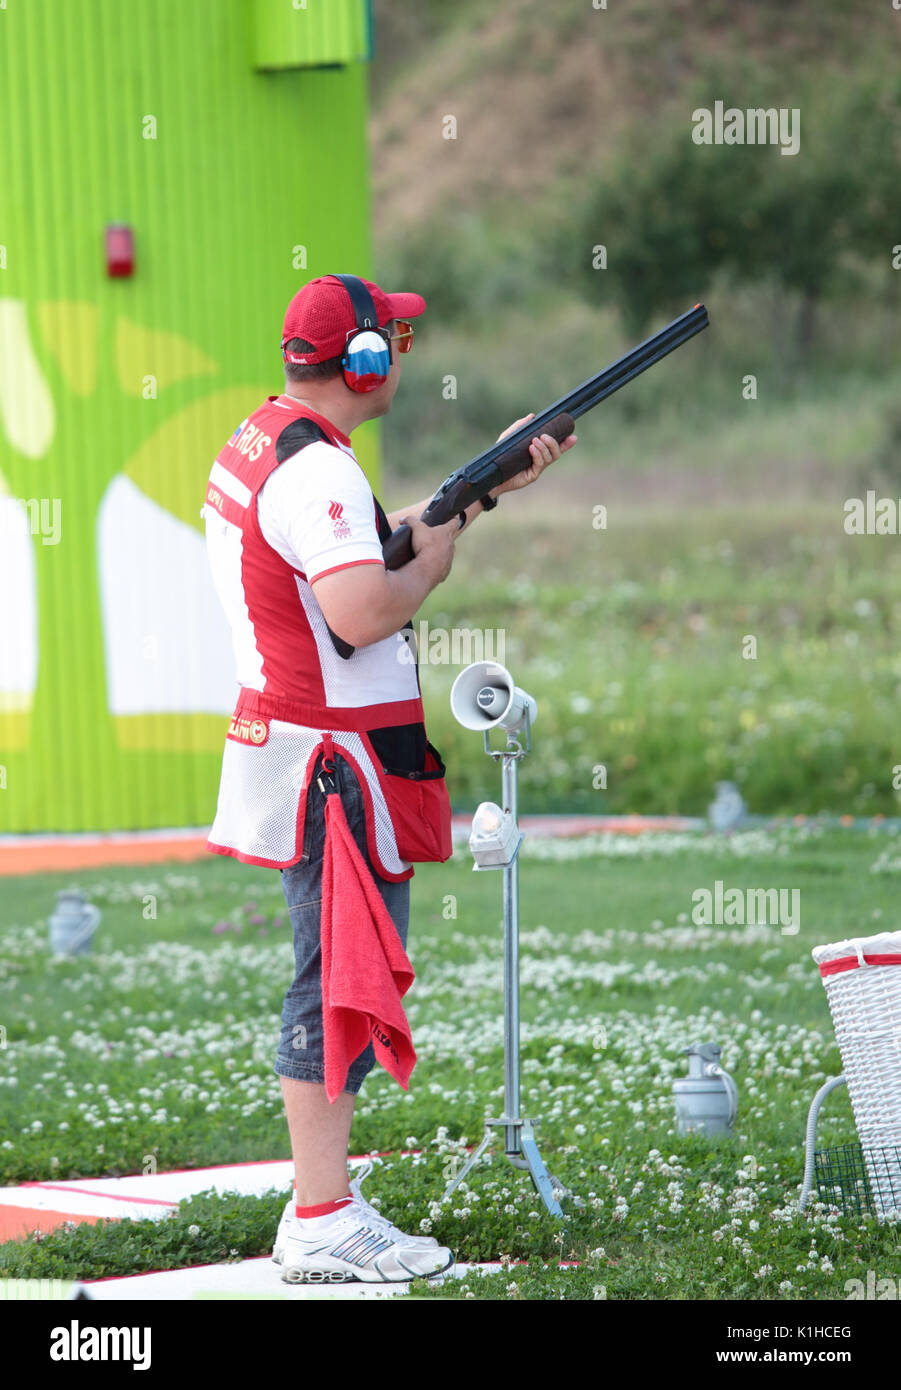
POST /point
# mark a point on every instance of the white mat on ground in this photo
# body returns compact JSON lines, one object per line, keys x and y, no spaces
{"x":258,"y":1278}
{"x":158,"y":1194}
{"x":153,"y":1196}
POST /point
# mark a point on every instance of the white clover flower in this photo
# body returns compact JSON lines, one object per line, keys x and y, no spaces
{"x":193,"y":1230}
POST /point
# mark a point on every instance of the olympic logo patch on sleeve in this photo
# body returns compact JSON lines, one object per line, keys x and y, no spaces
{"x":339,"y":525}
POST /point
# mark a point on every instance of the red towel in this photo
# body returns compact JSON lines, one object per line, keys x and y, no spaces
{"x":365,"y":969}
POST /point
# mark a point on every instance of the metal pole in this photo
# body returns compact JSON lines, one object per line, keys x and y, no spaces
{"x":511,"y":967}
{"x":519,"y":1138}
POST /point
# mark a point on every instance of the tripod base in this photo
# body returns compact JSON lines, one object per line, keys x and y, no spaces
{"x":525,"y":1156}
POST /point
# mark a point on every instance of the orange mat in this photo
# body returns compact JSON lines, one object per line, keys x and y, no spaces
{"x":62,"y":856}
{"x":49,"y":855}
{"x":18,"y":1222}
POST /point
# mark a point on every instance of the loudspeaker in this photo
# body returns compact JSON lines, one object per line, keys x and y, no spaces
{"x":484,"y":697}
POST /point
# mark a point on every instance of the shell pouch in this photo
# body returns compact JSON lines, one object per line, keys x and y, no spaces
{"x":420,"y":809}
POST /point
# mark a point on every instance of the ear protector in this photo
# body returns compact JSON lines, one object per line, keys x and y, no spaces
{"x":367,"y":354}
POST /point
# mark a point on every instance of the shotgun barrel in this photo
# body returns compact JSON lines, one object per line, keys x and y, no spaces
{"x":511,"y":455}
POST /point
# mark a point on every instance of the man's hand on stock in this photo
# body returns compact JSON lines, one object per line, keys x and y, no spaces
{"x":435,"y":544}
{"x":544,"y":452}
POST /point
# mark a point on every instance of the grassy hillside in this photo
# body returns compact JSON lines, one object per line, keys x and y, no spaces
{"x":496,"y":226}
{"x":725,"y":506}
{"x":542,"y":93}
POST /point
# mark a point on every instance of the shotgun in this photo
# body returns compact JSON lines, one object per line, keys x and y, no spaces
{"x":511,"y":455}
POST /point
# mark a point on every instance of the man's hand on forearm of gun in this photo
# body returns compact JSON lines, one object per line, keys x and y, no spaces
{"x":544,"y":450}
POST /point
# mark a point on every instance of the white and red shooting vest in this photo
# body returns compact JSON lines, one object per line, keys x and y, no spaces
{"x":287,"y":503}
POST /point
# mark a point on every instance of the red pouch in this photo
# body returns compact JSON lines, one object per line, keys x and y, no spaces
{"x":420,"y":809}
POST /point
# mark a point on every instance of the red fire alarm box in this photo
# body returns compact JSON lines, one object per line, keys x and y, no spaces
{"x":120,"y":250}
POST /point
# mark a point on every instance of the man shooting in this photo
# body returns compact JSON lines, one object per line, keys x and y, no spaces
{"x":294,"y":536}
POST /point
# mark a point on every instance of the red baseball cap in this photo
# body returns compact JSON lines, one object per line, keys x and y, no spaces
{"x":322,"y":314}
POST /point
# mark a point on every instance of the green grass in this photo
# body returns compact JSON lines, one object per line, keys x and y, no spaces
{"x":157,"y":1049}
{"x":725,"y":513}
{"x":634,"y":642}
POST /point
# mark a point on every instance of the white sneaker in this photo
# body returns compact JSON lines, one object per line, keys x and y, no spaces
{"x":284,"y":1226}
{"x":355,"y":1187}
{"x":359,"y":1245}
{"x":288,"y":1217}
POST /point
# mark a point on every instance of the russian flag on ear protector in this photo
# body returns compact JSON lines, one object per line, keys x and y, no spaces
{"x":367,"y":362}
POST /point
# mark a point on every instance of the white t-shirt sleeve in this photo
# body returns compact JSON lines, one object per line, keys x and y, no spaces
{"x":317,"y":511}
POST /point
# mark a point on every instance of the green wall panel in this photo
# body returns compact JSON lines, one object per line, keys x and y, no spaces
{"x":302,"y":33}
{"x":116,"y":394}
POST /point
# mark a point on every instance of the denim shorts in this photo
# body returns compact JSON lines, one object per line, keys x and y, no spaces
{"x":301,"y":1048}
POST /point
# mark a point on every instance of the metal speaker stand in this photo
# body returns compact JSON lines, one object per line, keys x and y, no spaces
{"x":520,"y":1145}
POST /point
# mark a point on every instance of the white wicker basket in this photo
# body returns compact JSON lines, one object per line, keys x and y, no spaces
{"x":862,"y":977}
